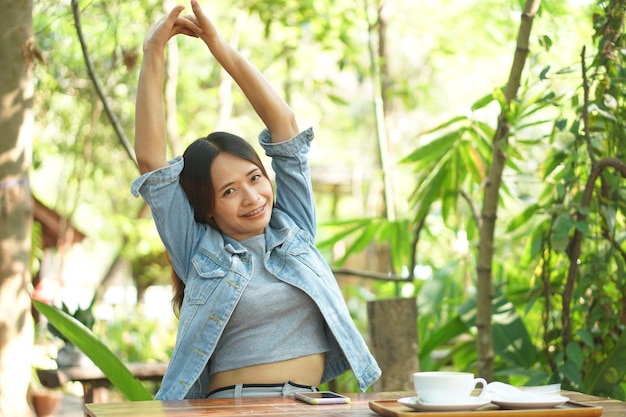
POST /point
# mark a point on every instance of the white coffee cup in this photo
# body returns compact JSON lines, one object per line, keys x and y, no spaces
{"x":441,"y":387}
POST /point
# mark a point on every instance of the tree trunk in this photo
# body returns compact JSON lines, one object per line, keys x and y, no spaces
{"x":379,"y":73}
{"x":484,"y":340}
{"x":16,"y":213}
{"x":393,"y":337}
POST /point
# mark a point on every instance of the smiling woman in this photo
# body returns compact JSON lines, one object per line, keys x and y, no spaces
{"x":260,"y":312}
{"x":243,"y":204}
{"x":224,"y":179}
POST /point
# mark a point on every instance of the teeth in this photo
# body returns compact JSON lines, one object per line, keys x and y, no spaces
{"x":255,"y":212}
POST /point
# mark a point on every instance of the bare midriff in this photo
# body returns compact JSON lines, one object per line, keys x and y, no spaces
{"x":305,"y":370}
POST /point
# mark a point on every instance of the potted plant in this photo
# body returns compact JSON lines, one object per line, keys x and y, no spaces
{"x":69,"y":354}
{"x":45,"y":401}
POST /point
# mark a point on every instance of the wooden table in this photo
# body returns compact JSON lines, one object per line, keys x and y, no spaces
{"x":285,"y":406}
{"x":95,"y":384}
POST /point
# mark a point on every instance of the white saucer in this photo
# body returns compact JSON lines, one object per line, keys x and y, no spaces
{"x":540,"y":402}
{"x":471,"y":403}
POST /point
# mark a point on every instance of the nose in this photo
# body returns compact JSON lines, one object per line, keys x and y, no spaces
{"x":250,"y":195}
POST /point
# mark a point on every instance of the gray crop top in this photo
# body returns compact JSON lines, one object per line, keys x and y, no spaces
{"x":273,"y":321}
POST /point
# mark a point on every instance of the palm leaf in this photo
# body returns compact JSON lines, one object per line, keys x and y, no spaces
{"x":83,"y":338}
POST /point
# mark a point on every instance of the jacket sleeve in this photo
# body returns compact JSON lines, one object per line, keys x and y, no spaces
{"x":294,"y":191}
{"x":172,"y":213}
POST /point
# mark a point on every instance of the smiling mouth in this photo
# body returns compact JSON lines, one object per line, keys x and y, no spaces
{"x":255,"y":212}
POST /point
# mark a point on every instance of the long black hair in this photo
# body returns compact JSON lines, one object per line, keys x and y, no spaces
{"x":195,"y":178}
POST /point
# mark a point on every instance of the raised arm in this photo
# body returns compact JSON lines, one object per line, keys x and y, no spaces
{"x":267,"y":103}
{"x":150,"y":130}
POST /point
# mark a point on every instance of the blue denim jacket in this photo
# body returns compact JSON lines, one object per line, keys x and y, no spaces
{"x":216,"y":269}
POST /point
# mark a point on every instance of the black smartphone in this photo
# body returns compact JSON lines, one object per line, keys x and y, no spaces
{"x":322,"y":397}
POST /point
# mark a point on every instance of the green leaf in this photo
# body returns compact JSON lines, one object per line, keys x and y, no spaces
{"x":582,"y":226}
{"x":561,"y":229}
{"x":434,"y":150}
{"x":443,"y":126}
{"x":432,"y":190}
{"x":353,"y":227}
{"x":482,"y":102}
{"x":586,"y":337}
{"x":544,"y":73}
{"x":498,"y":94}
{"x":523,"y":218}
{"x":574,"y":354}
{"x":446,"y":333}
{"x":100,"y":355}
{"x":510,"y":337}
{"x":572,"y":372}
{"x":399,"y":235}
{"x":534,"y":245}
{"x":364,"y":239}
{"x":475,"y":165}
{"x":554,"y":161}
{"x":604,"y":376}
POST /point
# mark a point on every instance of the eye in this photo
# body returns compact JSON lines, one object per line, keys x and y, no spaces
{"x":255,"y":177}
{"x":228,"y":191}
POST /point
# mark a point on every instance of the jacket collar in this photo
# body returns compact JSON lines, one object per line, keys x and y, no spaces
{"x":276,"y":233}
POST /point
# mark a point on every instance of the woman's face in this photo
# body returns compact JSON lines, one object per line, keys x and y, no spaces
{"x":243,"y":197}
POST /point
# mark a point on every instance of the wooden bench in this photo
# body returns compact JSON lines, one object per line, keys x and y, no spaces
{"x":95,"y":383}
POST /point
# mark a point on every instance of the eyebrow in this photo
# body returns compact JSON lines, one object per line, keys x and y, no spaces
{"x":228,"y":184}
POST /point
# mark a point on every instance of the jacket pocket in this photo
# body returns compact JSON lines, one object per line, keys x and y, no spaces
{"x":304,"y":251}
{"x":207,"y":277}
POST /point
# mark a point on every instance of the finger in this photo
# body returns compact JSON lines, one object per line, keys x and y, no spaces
{"x":175,"y":12}
{"x":188,"y":32}
{"x":169,"y":21}
{"x":202,"y":20}
{"x":189,"y":22}
{"x":198,"y":12}
{"x":186,"y":27}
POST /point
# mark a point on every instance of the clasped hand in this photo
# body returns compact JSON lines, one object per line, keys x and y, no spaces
{"x":196,"y":25}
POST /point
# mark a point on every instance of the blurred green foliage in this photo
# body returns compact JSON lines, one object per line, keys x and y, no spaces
{"x":447,"y":62}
